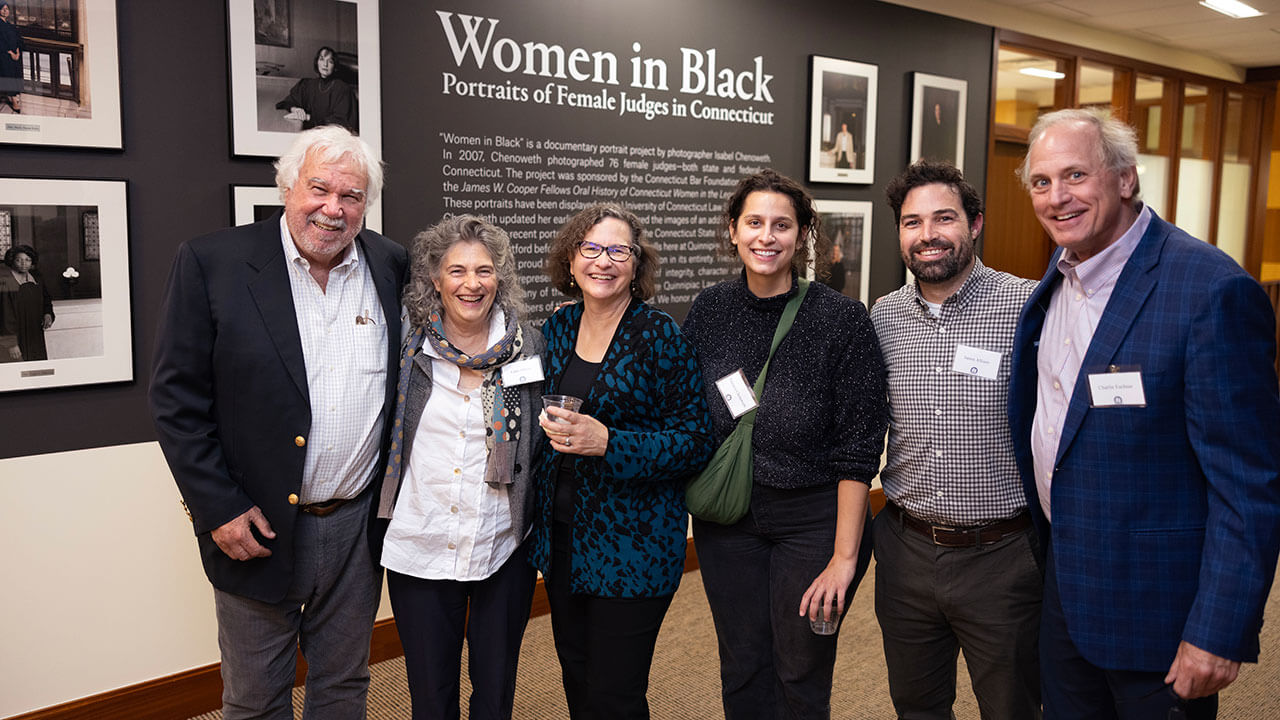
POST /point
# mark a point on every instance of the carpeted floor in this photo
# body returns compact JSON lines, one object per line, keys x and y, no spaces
{"x":685,"y":684}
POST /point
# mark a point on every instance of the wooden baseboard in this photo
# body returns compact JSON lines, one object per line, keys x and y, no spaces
{"x":199,"y":690}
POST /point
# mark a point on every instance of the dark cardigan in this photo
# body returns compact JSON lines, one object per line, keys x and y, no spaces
{"x":629,"y":518}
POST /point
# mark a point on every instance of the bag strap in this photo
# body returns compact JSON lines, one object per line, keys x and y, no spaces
{"x":784,"y":326}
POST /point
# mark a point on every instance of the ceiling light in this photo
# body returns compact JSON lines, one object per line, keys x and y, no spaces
{"x":1231,"y":8}
{"x":1042,"y":73}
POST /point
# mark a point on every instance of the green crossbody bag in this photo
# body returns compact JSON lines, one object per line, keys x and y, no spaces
{"x":722,"y":491}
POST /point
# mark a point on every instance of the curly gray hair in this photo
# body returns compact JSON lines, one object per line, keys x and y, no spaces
{"x":431,"y":245}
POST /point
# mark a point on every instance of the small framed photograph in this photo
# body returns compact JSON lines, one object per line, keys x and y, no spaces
{"x":64,"y":88}
{"x":252,"y":203}
{"x":297,"y":64}
{"x":848,"y":224}
{"x":65,"y":314}
{"x":271,"y":23}
{"x":842,"y":121}
{"x":937,"y":119}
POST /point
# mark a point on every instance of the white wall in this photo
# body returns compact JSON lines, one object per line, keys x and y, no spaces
{"x":103,"y":585}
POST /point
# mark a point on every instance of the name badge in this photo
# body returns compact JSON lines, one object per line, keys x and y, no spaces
{"x":970,"y":360}
{"x":522,"y":372}
{"x":1117,"y":389}
{"x":737,"y":394}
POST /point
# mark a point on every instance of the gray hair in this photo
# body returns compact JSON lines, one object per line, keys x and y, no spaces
{"x":431,"y":245}
{"x":1117,"y":141}
{"x":329,"y":144}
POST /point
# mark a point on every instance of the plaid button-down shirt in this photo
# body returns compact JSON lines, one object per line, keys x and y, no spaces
{"x":950,"y":455}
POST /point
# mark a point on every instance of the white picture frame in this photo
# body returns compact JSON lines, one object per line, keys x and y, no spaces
{"x":938,"y":112}
{"x":246,"y":199}
{"x":253,"y":102}
{"x":848,"y":224}
{"x":100,"y":65}
{"x":842,"y":97}
{"x":98,"y":346}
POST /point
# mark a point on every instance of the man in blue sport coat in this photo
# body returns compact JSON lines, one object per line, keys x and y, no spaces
{"x":1146,"y":424}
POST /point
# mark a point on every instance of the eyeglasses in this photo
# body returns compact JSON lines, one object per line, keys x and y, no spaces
{"x":617,"y":253}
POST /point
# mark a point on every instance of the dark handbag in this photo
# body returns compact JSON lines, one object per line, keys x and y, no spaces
{"x":722,"y":491}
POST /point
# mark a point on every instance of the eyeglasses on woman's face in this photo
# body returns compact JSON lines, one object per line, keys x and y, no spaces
{"x":616,"y":253}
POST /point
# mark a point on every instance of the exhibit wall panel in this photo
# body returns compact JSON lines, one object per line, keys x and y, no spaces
{"x":106,"y":585}
{"x":525,"y":112}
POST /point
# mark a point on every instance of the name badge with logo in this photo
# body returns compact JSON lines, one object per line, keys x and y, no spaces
{"x":522,"y":372}
{"x":981,"y":363}
{"x":737,"y":394}
{"x":1117,"y":388}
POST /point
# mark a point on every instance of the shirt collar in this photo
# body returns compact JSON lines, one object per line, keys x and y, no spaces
{"x":1106,"y":265}
{"x":497,"y":329}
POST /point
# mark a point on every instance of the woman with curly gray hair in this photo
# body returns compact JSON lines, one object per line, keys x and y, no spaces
{"x":457,"y":499}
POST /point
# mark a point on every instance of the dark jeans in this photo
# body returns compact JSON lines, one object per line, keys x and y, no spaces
{"x":754,"y":574}
{"x":932,"y":601}
{"x":432,"y":616}
{"x":1076,"y":689}
{"x":605,"y":644}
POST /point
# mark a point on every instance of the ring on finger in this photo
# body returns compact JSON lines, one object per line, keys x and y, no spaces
{"x":566,"y":442}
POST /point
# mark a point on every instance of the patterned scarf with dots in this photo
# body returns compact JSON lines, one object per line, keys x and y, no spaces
{"x":501,"y":403}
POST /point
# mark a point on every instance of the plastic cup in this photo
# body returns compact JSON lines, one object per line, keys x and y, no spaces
{"x":568,"y":402}
{"x":825,"y":627}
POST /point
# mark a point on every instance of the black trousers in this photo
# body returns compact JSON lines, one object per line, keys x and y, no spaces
{"x":432,"y":617}
{"x":605,"y":644}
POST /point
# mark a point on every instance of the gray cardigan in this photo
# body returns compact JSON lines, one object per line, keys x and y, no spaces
{"x":520,"y":491}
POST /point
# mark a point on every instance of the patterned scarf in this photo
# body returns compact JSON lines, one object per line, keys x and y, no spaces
{"x":501,"y":403}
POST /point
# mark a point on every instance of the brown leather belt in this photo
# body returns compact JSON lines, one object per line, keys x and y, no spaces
{"x":320,"y":509}
{"x":957,"y":537}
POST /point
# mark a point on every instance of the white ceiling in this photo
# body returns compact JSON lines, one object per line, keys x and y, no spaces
{"x":1183,"y":24}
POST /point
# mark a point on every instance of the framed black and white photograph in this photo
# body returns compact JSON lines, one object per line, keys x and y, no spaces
{"x":252,"y":203}
{"x":298,"y":64}
{"x":842,"y":121}
{"x":937,"y":119}
{"x":65,"y":314}
{"x":59,"y":73}
{"x":848,"y":224}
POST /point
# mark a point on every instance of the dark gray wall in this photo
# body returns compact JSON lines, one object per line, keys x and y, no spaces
{"x":178,"y":162}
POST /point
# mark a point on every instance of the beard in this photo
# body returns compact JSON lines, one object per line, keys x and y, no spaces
{"x":944,"y":268}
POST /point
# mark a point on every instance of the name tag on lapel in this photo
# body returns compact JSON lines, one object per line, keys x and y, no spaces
{"x":1118,"y":387}
{"x":522,"y":372}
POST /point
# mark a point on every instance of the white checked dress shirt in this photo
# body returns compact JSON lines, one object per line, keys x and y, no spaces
{"x":346,"y":372}
{"x":1072,"y":317}
{"x":950,"y":455}
{"x":449,"y":524}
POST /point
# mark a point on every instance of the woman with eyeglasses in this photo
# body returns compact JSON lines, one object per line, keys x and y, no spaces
{"x":609,"y":529}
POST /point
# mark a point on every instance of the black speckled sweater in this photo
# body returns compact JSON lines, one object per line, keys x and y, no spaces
{"x":824,"y":412}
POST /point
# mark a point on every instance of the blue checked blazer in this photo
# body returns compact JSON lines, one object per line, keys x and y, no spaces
{"x":1166,"y":518}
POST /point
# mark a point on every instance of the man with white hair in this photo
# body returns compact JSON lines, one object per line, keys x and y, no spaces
{"x":274,"y":378}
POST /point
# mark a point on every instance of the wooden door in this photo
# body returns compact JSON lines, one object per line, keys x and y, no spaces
{"x":1013,"y":239}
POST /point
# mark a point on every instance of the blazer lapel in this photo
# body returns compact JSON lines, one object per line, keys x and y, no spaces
{"x":273,"y":295}
{"x":1134,"y":285}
